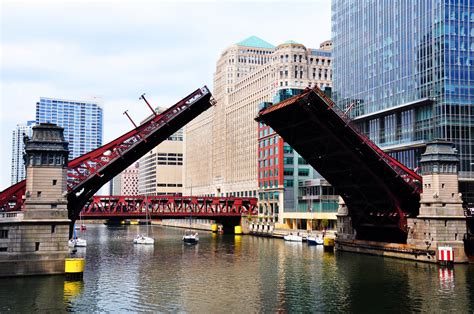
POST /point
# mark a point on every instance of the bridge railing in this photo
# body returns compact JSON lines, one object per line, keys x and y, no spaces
{"x":88,"y":165}
{"x":92,"y":163}
{"x":11,"y":216}
{"x":410,"y":176}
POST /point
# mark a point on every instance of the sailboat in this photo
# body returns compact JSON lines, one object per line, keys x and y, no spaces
{"x":190,"y":236}
{"x":77,"y":242}
{"x":140,"y":238}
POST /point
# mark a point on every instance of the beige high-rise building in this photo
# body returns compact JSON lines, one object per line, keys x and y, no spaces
{"x":161,"y":169}
{"x":126,"y":183}
{"x":221,"y":145}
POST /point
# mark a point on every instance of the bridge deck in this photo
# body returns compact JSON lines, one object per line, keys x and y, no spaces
{"x":378,"y":190}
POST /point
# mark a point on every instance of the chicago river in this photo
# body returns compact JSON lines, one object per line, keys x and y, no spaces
{"x":227,"y":273}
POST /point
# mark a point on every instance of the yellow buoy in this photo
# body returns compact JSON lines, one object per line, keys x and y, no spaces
{"x":238,"y":229}
{"x":74,"y":265}
{"x":214,"y":228}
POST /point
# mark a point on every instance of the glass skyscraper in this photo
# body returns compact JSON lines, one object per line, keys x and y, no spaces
{"x":81,"y":120}
{"x":18,"y":170}
{"x":405,"y":71}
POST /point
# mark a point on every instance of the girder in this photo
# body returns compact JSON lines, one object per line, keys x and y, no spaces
{"x":377,"y":188}
{"x":168,"y":207}
{"x":89,"y":172}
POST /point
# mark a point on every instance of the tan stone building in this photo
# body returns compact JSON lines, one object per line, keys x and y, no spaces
{"x":161,"y":169}
{"x":221,"y":146}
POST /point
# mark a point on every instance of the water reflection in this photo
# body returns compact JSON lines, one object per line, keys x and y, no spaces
{"x":225,"y":273}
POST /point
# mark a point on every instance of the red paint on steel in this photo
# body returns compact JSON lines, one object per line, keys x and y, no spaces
{"x":95,"y":163}
{"x":168,"y":206}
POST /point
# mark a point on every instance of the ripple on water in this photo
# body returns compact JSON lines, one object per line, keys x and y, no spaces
{"x":227,"y":274}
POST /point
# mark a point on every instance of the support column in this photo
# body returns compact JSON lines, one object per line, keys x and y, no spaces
{"x":345,"y":231}
{"x":441,"y":221}
{"x":35,"y":240}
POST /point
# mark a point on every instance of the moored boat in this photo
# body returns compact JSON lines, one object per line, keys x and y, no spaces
{"x":190,"y":237}
{"x":77,"y":242}
{"x":315,"y":240}
{"x":141,"y":239}
{"x":293,"y":237}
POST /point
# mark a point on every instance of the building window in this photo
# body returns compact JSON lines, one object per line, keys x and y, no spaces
{"x":54,"y":182}
{"x":3,"y":249}
{"x":303,"y":172}
{"x":53,"y":228}
{"x":38,"y":194}
{"x":3,"y":234}
{"x":37,"y":246}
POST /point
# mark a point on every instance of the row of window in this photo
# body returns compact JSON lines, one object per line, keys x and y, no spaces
{"x":268,"y":162}
{"x":267,"y":152}
{"x":302,"y":58}
{"x":169,"y":185}
{"x":269,"y":141}
{"x":268,"y":184}
{"x":241,"y":194}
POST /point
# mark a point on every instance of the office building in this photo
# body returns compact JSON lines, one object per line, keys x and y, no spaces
{"x":81,"y":120}
{"x":161,"y":169}
{"x":18,"y":169}
{"x":403,"y":69}
{"x":223,"y":147}
{"x":126,"y":183}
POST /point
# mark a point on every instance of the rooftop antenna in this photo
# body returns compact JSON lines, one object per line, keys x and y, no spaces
{"x":148,"y":104}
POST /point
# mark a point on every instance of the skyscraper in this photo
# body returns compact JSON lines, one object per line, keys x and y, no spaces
{"x":81,"y":120}
{"x":18,"y":170}
{"x":404,"y":71}
{"x":206,"y":149}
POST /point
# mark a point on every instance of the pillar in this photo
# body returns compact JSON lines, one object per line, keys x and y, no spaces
{"x":441,"y":220}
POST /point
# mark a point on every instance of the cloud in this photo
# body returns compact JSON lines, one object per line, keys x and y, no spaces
{"x":118,"y":50}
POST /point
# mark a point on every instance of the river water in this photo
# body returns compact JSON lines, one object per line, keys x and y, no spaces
{"x":236,"y":274}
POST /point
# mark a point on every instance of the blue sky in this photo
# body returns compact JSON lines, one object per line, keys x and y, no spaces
{"x":117,"y":50}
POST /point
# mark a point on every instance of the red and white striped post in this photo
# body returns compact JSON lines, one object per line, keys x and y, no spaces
{"x":445,"y":255}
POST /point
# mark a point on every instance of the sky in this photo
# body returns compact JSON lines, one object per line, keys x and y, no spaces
{"x":117,"y":50}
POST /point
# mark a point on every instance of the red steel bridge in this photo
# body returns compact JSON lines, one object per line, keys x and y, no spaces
{"x":89,"y":172}
{"x":379,"y":191}
{"x":104,"y":207}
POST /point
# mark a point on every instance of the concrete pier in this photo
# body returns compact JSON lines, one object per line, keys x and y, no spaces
{"x":440,"y":223}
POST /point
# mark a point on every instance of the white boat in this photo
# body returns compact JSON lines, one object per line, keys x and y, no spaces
{"x":315,"y":240}
{"x":293,"y":237}
{"x":191,"y":237}
{"x":77,"y":242}
{"x":141,"y":239}
{"x":81,"y":242}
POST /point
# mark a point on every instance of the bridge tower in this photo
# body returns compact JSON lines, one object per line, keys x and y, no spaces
{"x":441,"y":220}
{"x":34,"y":241}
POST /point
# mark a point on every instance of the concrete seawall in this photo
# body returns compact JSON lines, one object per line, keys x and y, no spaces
{"x":197,"y":224}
